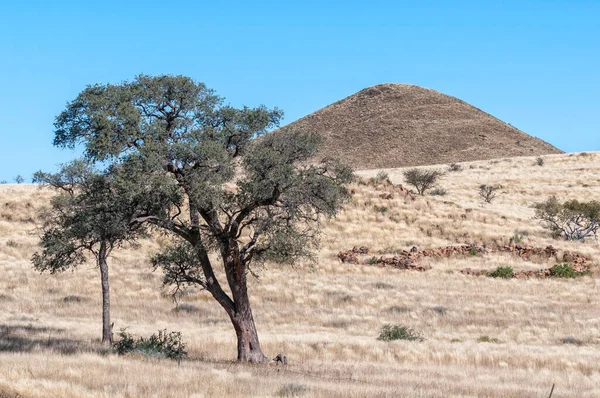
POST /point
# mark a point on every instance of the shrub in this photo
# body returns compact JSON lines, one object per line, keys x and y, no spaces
{"x":487,"y":339}
{"x":455,"y":167}
{"x":372,"y":261}
{"x":161,"y":345}
{"x":19,"y":179}
{"x":12,"y":243}
{"x":571,"y":340}
{"x":516,"y":238}
{"x":503,"y":272}
{"x":572,"y":219}
{"x":422,"y":180}
{"x":566,"y":271}
{"x":381,"y":177}
{"x":397,"y":332}
{"x":487,"y":192}
{"x":383,"y":285}
{"x":439,"y":192}
{"x":381,"y":209}
{"x":539,"y":161}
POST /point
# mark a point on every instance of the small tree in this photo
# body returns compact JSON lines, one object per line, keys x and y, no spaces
{"x":19,"y":179}
{"x":487,"y":192}
{"x":572,"y":219}
{"x":422,"y":180}
{"x":86,"y":216}
{"x":232,"y":189}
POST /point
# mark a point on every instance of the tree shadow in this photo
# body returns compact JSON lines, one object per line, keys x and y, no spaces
{"x":29,"y":338}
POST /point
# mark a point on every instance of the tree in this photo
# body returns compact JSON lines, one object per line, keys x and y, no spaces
{"x":572,"y":219}
{"x":84,"y":217}
{"x":233,"y":189}
{"x":422,"y":180}
{"x":19,"y":179}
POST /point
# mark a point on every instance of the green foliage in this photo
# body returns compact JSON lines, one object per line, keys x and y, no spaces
{"x":19,"y":179}
{"x":86,"y":214}
{"x":572,"y":219}
{"x":161,"y":345}
{"x":125,"y":344}
{"x":488,"y":192}
{"x":503,"y":272}
{"x":397,"y":332}
{"x":566,"y":270}
{"x":422,"y":180}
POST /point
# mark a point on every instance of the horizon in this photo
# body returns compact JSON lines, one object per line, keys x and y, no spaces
{"x":530,"y":64}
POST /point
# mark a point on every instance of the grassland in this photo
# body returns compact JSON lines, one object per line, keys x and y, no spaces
{"x":483,"y":337}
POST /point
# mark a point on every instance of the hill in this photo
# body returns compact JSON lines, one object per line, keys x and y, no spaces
{"x":484,"y":337}
{"x":399,"y":125}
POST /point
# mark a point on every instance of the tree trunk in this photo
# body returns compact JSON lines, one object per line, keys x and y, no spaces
{"x":248,"y":346}
{"x":243,"y":322}
{"x":107,"y":336}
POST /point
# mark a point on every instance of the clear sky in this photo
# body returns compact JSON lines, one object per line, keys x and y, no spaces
{"x":533,"y":64}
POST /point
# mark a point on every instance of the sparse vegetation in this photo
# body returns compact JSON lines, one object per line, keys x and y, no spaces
{"x":398,"y":332}
{"x":19,"y":179}
{"x":488,"y":192}
{"x":422,"y":179}
{"x":573,"y":220}
{"x":539,"y":161}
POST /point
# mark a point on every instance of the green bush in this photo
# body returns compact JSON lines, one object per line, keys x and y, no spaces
{"x":161,"y":345}
{"x":566,"y":271}
{"x":397,"y":332}
{"x":503,"y":272}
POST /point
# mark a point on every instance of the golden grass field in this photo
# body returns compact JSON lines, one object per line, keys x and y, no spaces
{"x":326,"y":317}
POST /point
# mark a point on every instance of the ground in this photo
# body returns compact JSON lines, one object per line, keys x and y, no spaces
{"x":484,"y":337}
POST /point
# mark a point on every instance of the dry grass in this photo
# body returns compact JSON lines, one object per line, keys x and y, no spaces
{"x":326,"y":318}
{"x":399,"y":125}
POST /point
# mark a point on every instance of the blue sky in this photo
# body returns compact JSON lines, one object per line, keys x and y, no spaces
{"x":534,"y":64}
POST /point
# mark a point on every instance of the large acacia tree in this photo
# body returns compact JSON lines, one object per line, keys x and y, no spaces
{"x":234,"y":190}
